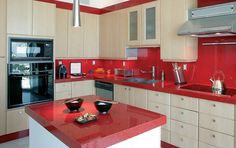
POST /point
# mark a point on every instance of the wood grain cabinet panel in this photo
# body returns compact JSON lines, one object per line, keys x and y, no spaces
{"x":3,"y":96}
{"x":19,"y":17}
{"x":63,"y":90}
{"x":184,"y":102}
{"x":44,"y":19}
{"x":182,"y":141}
{"x":17,"y":120}
{"x":121,"y":94}
{"x":83,"y":88}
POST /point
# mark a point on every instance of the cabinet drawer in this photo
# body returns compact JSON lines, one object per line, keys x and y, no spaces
{"x":165,"y":135}
{"x":61,"y":87}
{"x":217,"y":108}
{"x":183,"y":115}
{"x":184,"y":102}
{"x":204,"y":145}
{"x":159,"y":108}
{"x":215,"y":138}
{"x":17,"y":120}
{"x":159,"y":97}
{"x":62,"y":95}
{"x":183,"y":129}
{"x":217,"y":124}
{"x":183,"y":142}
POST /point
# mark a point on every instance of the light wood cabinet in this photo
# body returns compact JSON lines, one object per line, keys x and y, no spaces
{"x":182,"y":141}
{"x":75,"y":38}
{"x":61,"y":42}
{"x":44,"y":15}
{"x":184,"y":102}
{"x":3,"y":6}
{"x":83,"y":88}
{"x":173,"y":47}
{"x":19,"y":17}
{"x":91,"y":35}
{"x":144,"y":25}
{"x":63,"y":90}
{"x":3,"y":96}
{"x":17,"y":120}
{"x":121,"y":94}
{"x":130,"y":95}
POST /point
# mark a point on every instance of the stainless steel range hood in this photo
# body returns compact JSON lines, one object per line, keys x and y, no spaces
{"x":212,"y":21}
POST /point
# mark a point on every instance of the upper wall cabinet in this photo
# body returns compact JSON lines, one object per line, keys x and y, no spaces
{"x":19,"y":17}
{"x":27,"y":17}
{"x":173,"y":47}
{"x":44,"y":15}
{"x":75,"y":38}
{"x":91,"y":35}
{"x":144,"y":25}
{"x":61,"y":42}
{"x":3,"y":28}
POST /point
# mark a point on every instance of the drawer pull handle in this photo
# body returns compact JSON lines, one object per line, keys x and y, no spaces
{"x":213,"y":120}
{"x":214,"y":105}
{"x":181,"y":113}
{"x":157,"y":95}
{"x":182,"y":99}
{"x":182,"y":126}
{"x":125,"y":88}
{"x":157,"y":106}
{"x":181,"y":139}
{"x":213,"y":136}
{"x":129,"y":88}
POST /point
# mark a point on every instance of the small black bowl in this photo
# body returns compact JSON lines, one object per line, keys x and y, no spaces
{"x":102,"y":107}
{"x":74,"y":104}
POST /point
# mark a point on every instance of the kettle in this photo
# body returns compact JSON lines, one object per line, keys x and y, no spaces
{"x":217,"y":85}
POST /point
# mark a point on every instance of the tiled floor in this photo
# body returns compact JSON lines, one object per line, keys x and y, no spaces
{"x":19,"y":143}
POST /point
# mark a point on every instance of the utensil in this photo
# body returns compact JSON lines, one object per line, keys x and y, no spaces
{"x":178,"y":74}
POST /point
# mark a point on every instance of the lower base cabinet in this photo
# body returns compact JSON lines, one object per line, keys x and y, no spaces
{"x":17,"y":120}
{"x":3,"y":95}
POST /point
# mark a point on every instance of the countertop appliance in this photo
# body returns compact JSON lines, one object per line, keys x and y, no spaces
{"x":104,"y":89}
{"x":62,"y":71}
{"x":30,"y":71}
{"x":211,"y":21}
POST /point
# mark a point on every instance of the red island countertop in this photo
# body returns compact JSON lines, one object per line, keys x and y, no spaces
{"x":122,"y":122}
{"x":163,"y":86}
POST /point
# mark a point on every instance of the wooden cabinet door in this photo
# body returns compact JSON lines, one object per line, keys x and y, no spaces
{"x":121,"y":94}
{"x":91,"y":35}
{"x":75,"y":38}
{"x":44,"y":18}
{"x":61,"y":43}
{"x":138,"y":97}
{"x":19,"y":17}
{"x":63,"y":90}
{"x":134,"y":26}
{"x":174,"y":47}
{"x":3,"y":41}
{"x":150,"y":34}
{"x":3,"y":96}
{"x":17,"y":120}
{"x":83,"y":88}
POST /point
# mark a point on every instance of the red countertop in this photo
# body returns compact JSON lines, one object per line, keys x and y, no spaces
{"x":163,"y":86}
{"x":122,"y":122}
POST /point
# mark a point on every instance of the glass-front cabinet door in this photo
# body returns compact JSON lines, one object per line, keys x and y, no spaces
{"x":151,"y":23}
{"x":134,"y":24}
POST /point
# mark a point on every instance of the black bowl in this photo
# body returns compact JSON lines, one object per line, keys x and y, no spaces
{"x":102,"y":107}
{"x":74,"y":104}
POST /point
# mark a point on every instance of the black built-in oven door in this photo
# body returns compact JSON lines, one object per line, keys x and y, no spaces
{"x":29,"y":83}
{"x":30,"y":50}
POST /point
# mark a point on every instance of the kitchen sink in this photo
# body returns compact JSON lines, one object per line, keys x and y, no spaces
{"x":141,"y":80}
{"x":207,"y":89}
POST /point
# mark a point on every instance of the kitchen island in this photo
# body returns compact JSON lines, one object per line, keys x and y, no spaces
{"x":52,"y":125}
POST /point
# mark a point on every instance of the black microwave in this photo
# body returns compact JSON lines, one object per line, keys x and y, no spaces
{"x":30,"y":49}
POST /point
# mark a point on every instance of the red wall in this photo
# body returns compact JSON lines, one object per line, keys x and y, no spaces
{"x":210,"y":59}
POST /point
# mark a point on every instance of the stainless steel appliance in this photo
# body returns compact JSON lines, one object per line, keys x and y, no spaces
{"x":178,"y":74}
{"x":30,"y":71}
{"x":104,"y":89}
{"x":217,"y":83}
{"x":211,"y":21}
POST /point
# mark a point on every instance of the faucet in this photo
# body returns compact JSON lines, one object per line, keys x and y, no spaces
{"x":153,"y":72}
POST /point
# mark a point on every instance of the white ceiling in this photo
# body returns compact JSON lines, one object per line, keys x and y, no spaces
{"x":96,"y":3}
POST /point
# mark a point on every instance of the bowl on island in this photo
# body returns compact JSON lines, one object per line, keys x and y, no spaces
{"x":103,"y":107}
{"x":74,"y":104}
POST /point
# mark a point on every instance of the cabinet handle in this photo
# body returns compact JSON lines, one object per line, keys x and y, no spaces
{"x":182,"y":126}
{"x":181,"y":113}
{"x":20,"y":112}
{"x":182,"y":99}
{"x":157,"y":95}
{"x":213,"y":136}
{"x":157,"y":106}
{"x":213,"y":105}
{"x":129,"y":88}
{"x":181,"y":139}
{"x":213,"y":120}
{"x":125,"y":88}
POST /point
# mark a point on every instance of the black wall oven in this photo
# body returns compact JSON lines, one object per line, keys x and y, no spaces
{"x":30,"y":72}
